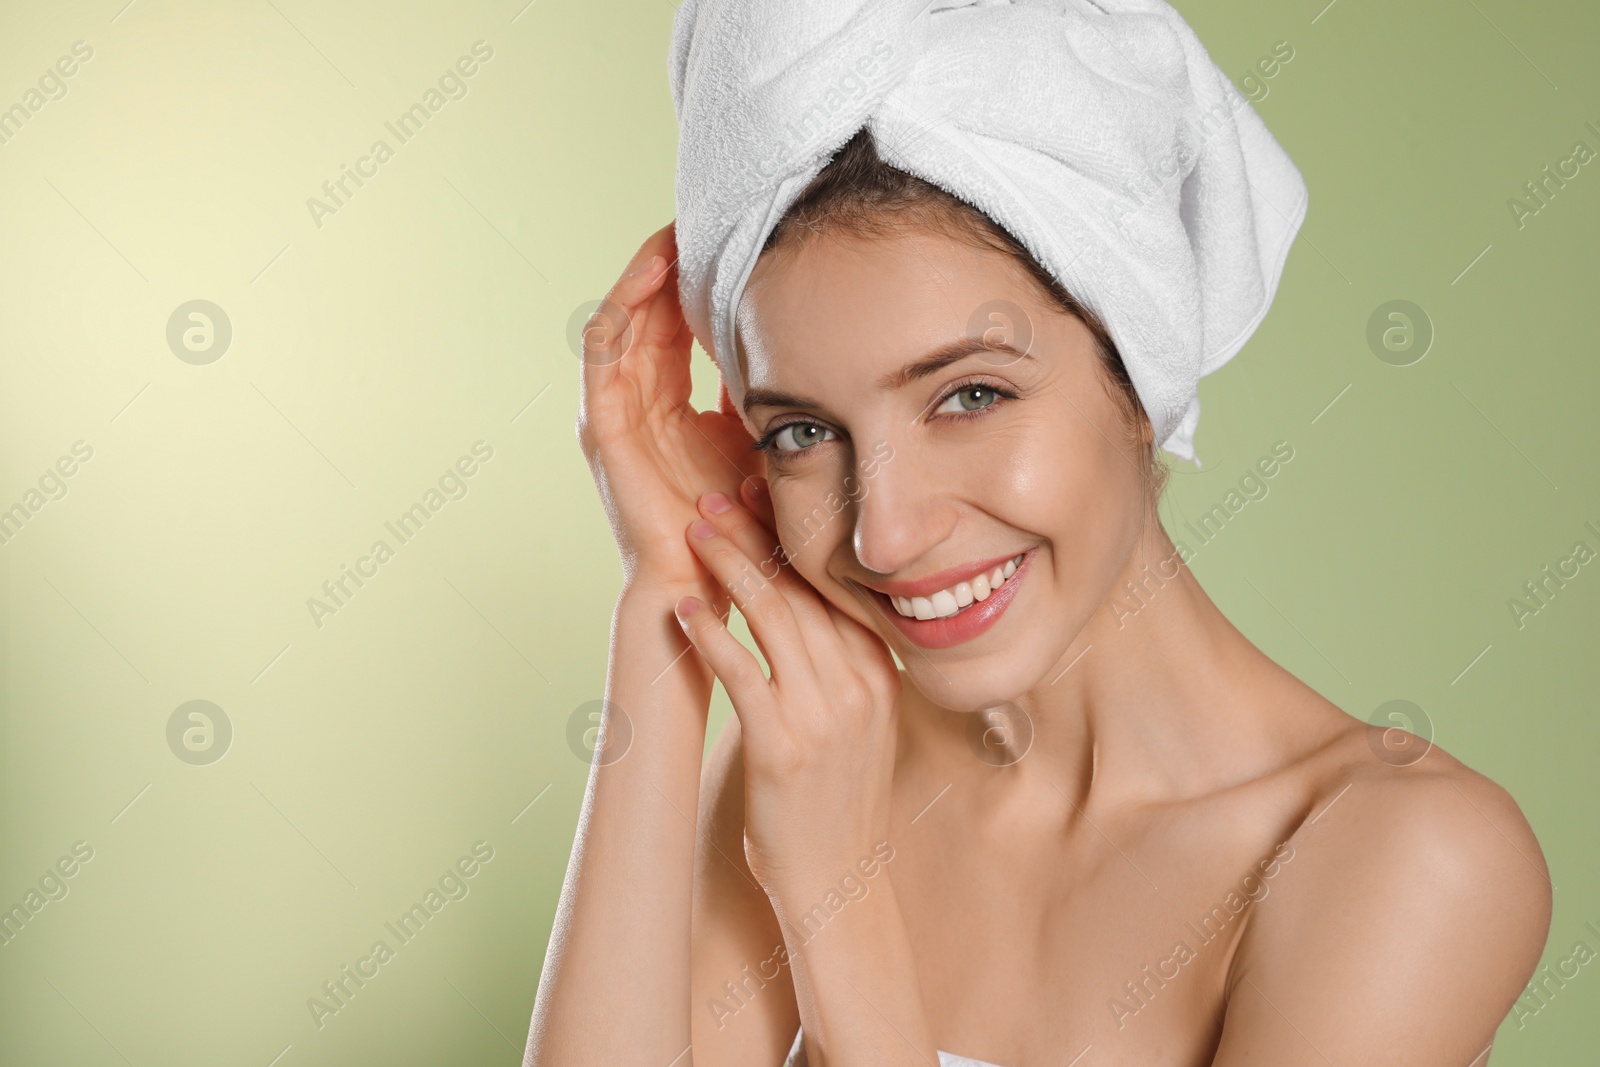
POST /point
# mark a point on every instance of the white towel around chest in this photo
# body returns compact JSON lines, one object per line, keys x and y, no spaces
{"x":797,"y":1056}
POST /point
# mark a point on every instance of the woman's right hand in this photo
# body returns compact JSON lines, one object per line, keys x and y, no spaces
{"x":651,"y":454}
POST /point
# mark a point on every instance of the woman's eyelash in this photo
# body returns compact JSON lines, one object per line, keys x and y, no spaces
{"x":974,"y":383}
{"x":765,"y":442}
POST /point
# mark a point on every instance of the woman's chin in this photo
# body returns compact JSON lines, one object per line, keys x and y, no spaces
{"x":1020,"y":655}
{"x":975,"y":685}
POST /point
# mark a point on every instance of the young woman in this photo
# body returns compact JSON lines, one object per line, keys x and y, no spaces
{"x":1066,"y":832}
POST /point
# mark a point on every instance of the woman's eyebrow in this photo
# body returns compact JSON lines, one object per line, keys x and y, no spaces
{"x":946,"y":354}
{"x":932,"y":363}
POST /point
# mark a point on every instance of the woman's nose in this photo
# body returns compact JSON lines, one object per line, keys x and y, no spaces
{"x":902,"y":509}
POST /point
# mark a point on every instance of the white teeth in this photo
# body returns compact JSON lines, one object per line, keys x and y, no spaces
{"x":947,"y":602}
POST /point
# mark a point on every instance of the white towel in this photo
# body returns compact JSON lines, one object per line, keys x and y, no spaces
{"x":1098,"y":132}
{"x":797,"y":1056}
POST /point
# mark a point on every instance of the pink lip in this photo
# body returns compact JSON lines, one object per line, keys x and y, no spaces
{"x":942,"y":580}
{"x":961,"y":627}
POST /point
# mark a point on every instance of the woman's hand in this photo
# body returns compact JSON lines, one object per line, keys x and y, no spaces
{"x":651,"y":454}
{"x":819,"y":736}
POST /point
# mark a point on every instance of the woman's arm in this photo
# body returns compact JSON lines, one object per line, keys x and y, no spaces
{"x":615,"y":985}
{"x":854,"y":974}
{"x":743,"y":998}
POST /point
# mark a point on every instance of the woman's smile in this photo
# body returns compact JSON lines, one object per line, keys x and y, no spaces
{"x":955,"y":605}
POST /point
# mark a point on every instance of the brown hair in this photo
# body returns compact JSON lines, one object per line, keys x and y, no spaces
{"x":859,"y":195}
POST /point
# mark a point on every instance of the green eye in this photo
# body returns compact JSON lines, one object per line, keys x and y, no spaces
{"x":969,"y":398}
{"x":799,"y":435}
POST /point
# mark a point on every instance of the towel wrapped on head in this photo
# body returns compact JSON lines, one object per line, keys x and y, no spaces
{"x":1099,"y":133}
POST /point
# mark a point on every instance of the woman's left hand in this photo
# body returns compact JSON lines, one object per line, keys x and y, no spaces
{"x":819,"y":735}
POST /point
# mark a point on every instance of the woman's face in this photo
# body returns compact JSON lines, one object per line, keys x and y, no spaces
{"x":893,"y":475}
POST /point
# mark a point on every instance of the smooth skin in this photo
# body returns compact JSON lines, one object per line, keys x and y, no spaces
{"x":1168,"y":850}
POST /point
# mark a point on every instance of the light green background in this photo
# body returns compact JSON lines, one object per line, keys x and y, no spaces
{"x":432,"y":310}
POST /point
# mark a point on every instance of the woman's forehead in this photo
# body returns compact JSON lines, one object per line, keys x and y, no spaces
{"x":863,"y":308}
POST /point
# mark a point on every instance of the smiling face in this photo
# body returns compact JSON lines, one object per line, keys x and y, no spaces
{"x":904,"y":456}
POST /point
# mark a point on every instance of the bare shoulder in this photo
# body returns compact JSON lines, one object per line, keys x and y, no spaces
{"x":1411,"y":912}
{"x":1457,"y":834}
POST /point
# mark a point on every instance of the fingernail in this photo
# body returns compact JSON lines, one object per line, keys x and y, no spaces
{"x":756,"y":486}
{"x":703,"y":529}
{"x":685,"y":607}
{"x":653,"y":266}
{"x":716,"y":503}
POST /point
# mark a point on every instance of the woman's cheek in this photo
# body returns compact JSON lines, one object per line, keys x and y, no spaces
{"x":801,"y":515}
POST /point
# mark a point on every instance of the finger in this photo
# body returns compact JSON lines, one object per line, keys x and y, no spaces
{"x":740,"y":673}
{"x":611,"y":330}
{"x":658,"y":322}
{"x":767,"y":557}
{"x":660,"y":329}
{"x":661,"y":244}
{"x":764,"y":605}
{"x":755,"y":538}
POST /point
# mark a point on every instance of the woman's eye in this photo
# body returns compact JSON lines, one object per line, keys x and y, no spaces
{"x":799,"y":435}
{"x":969,"y":398}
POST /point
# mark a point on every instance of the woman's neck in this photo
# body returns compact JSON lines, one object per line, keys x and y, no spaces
{"x":1159,"y":697}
